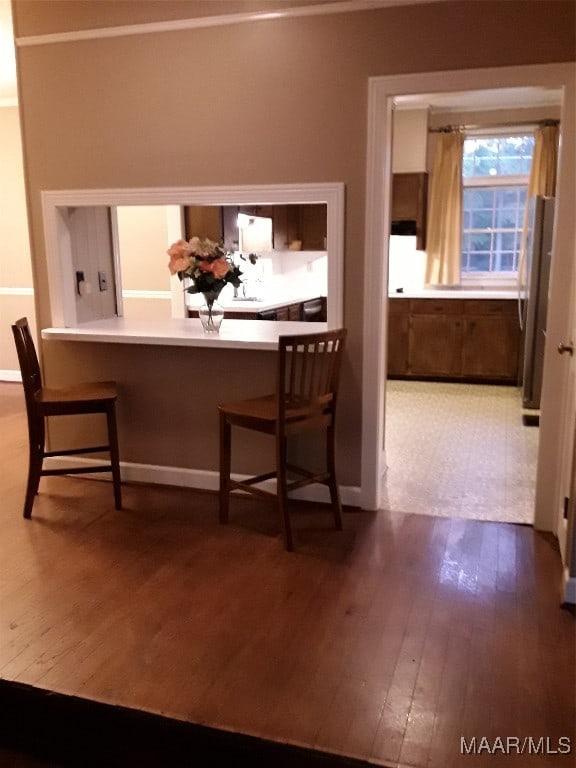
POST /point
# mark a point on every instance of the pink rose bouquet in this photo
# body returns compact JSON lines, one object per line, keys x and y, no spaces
{"x":208,"y":265}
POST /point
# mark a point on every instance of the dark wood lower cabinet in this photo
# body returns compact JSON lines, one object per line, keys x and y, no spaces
{"x":454,"y":339}
{"x":312,"y":310}
{"x":435,"y":344}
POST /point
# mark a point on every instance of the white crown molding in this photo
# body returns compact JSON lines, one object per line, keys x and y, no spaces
{"x":339,"y":6}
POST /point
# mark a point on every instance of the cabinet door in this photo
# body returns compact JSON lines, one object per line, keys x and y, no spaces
{"x":398,"y":336}
{"x":280,"y":240}
{"x":203,"y":221}
{"x":230,"y":226}
{"x":405,"y":196}
{"x":410,"y":202}
{"x":314,"y":227}
{"x":435,"y":345}
{"x":491,"y":347}
{"x":295,"y":312}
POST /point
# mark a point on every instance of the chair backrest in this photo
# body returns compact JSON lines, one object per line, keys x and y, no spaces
{"x":28,"y":359}
{"x":309,"y":371}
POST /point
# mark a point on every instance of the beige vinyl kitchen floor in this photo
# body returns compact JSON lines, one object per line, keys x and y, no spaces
{"x":460,"y":451}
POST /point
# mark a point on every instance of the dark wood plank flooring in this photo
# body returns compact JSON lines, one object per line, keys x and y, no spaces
{"x":387,"y":642}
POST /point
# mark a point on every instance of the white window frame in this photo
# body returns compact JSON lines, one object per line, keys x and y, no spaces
{"x":494,"y":279}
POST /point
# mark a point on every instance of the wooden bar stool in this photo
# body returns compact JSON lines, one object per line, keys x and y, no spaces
{"x":308,"y":371}
{"x":91,"y":397}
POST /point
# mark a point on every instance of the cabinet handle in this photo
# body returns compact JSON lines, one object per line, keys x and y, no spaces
{"x":566,"y":348}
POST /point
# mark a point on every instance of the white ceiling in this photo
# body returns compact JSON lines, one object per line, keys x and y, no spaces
{"x":498,"y":98}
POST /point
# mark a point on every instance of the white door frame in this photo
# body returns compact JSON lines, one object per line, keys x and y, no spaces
{"x":554,"y":420}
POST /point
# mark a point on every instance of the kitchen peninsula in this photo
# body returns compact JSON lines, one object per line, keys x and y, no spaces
{"x":182,"y":332}
{"x":171,"y":377}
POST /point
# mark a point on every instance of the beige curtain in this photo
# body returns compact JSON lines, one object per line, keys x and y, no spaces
{"x":544,"y":161}
{"x":444,"y":238}
{"x":542,"y":181}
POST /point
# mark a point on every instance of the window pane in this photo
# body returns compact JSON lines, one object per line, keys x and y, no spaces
{"x":479,"y":262}
{"x":493,"y":211}
{"x":508,"y":262}
{"x":498,"y":155}
{"x":506,"y":218}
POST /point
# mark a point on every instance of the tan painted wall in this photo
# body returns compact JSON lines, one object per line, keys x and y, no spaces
{"x":274,"y":101}
{"x":16,"y":299}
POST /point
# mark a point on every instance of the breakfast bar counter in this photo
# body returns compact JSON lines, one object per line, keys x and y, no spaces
{"x":171,"y":376}
{"x":183,"y":332}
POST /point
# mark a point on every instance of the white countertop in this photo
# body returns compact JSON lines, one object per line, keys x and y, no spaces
{"x":455,"y":293}
{"x":184,"y":332}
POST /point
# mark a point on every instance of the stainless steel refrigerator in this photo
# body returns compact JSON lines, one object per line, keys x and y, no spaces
{"x":534,"y":278}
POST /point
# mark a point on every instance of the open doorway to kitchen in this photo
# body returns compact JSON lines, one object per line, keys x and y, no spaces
{"x":457,"y":444}
{"x":382,"y":92}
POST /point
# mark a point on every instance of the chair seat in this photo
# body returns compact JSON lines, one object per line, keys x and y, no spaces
{"x":89,"y":392}
{"x":261,"y":413}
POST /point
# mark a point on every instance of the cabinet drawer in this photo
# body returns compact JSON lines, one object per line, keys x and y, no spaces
{"x":507,"y":307}
{"x":399,"y":306}
{"x":436,"y":306}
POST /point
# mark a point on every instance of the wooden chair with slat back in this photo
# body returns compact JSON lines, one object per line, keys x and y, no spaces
{"x":41,"y":402}
{"x":308,"y":371}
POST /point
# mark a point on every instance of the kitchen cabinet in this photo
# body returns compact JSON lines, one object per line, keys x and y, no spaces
{"x":454,"y":339}
{"x":398,"y":337}
{"x":311,"y":310}
{"x":304,"y":223}
{"x":491,"y":342}
{"x":203,"y":221}
{"x":435,"y":339}
{"x":410,"y":205}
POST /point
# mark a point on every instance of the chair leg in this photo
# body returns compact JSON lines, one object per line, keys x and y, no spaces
{"x":35,"y":460}
{"x":225,"y":466}
{"x":114,"y":455}
{"x":281,"y":492}
{"x":332,"y":482}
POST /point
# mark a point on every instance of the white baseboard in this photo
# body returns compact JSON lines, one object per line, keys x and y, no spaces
{"x":7,"y":375}
{"x":569,"y":588}
{"x":203,"y":479}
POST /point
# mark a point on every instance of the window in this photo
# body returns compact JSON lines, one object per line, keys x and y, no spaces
{"x":495,"y":178}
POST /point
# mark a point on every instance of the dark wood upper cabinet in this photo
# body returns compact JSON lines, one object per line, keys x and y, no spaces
{"x":297,"y":226}
{"x":410,"y":205}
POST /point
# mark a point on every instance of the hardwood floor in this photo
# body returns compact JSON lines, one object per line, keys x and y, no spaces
{"x":387,"y":642}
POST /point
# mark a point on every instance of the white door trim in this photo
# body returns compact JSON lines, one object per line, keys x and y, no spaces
{"x":381,"y":91}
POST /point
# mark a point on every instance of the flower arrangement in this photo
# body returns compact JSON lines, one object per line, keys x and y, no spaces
{"x":208,"y":265}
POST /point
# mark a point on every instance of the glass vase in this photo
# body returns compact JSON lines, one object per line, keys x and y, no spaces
{"x":211,"y":315}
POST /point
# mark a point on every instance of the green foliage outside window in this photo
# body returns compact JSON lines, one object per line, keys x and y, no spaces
{"x":493,"y":205}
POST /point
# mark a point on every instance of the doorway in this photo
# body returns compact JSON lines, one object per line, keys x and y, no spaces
{"x":461,"y":449}
{"x":555,"y":418}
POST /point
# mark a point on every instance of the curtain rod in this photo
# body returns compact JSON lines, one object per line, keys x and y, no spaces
{"x":454,"y":128}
